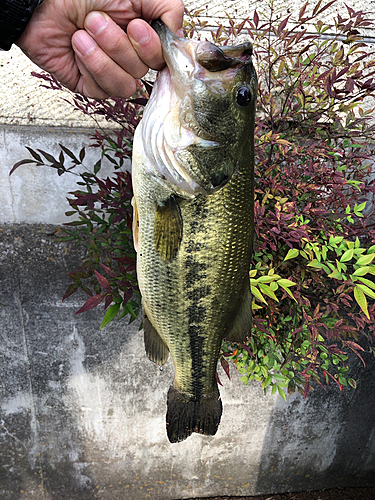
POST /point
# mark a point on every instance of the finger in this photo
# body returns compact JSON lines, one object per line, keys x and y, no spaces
{"x":100,"y":71}
{"x":146,"y":43}
{"x":171,"y":12}
{"x":173,"y":17}
{"x":115,"y":43}
{"x":86,"y":84}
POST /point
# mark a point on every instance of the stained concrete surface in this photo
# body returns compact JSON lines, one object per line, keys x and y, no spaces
{"x":82,"y":410}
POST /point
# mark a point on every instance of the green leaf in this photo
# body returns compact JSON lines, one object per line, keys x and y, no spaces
{"x":367,"y":291}
{"x":361,"y":271}
{"x":292,"y":253}
{"x":256,"y":293}
{"x":267,"y":291}
{"x":281,"y":392}
{"x":348,"y":255}
{"x":284,"y":283}
{"x":352,"y":383}
{"x":336,"y":274}
{"x":365,"y":260}
{"x":361,"y":300}
{"x":111,"y":313}
{"x":268,"y":279}
{"x":335,"y":240}
{"x":315,"y":263}
{"x":367,"y":282}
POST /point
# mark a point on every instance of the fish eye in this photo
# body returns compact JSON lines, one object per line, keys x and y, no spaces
{"x":243,"y":96}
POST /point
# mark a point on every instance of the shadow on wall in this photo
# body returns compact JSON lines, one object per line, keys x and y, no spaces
{"x":325,"y":441}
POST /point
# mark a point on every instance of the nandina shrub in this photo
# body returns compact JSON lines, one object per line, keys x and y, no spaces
{"x":101,"y":208}
{"x":313,"y":275}
{"x":312,"y":278}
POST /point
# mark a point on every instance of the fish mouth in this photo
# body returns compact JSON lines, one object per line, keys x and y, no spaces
{"x":206,"y":54}
{"x":191,"y":62}
{"x":181,"y":71}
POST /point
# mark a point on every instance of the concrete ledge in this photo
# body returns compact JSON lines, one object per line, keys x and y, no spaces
{"x":82,"y":410}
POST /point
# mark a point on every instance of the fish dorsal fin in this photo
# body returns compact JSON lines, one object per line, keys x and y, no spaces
{"x":156,"y":350}
{"x":135,"y":226}
{"x":168,"y":229}
{"x":242,"y":325}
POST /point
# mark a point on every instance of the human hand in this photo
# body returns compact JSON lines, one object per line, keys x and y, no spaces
{"x":83,"y":45}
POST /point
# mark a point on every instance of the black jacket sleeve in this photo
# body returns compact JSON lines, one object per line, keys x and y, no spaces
{"x":14,"y":16}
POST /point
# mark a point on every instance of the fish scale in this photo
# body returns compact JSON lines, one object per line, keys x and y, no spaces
{"x":194,"y":276}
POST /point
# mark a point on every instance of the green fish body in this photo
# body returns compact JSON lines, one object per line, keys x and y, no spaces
{"x":193,"y":219}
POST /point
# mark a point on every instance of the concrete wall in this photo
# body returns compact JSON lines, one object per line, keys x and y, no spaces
{"x":82,"y":410}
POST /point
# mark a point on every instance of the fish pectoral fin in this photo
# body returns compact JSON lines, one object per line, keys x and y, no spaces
{"x":156,"y":349}
{"x":135,"y":225}
{"x":168,"y":229}
{"x":242,"y":325}
{"x":186,"y":415}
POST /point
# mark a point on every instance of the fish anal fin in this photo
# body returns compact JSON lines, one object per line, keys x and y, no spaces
{"x":168,"y":229}
{"x":156,"y":349}
{"x":186,"y":415}
{"x":242,"y":325}
{"x":135,"y":225}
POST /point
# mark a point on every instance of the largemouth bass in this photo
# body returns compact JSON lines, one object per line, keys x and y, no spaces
{"x":193,"y":218}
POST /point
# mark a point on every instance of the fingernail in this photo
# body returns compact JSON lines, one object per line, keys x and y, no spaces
{"x":139,"y":33}
{"x":84,"y":43}
{"x":95,"y":23}
{"x":180,"y":32}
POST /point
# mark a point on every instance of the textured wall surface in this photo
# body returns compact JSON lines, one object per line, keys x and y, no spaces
{"x":82,"y":410}
{"x":38,"y":194}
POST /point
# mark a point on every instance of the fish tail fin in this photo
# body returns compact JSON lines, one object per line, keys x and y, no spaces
{"x":186,"y":415}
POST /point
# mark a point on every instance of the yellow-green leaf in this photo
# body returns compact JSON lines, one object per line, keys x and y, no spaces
{"x":365,"y":260}
{"x":256,"y":293}
{"x":285,"y":283}
{"x":348,"y":255}
{"x":365,"y":289}
{"x":292,"y":253}
{"x":367,"y":282}
{"x":335,"y":274}
{"x":267,"y":291}
{"x":361,"y":300}
{"x":267,"y":279}
{"x":315,"y":263}
{"x":361,"y":271}
{"x":253,"y":273}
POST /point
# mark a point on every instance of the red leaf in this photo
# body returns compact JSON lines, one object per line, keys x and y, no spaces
{"x":307,"y":389}
{"x":128,"y":294}
{"x":225,"y":365}
{"x":91,"y":303}
{"x":108,"y":301}
{"x":103,"y":281}
{"x":353,"y":345}
{"x":217,"y":379}
{"x":256,"y":18}
{"x":302,"y":11}
{"x":70,"y":290}
{"x":108,"y":270}
{"x":282,"y":26}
